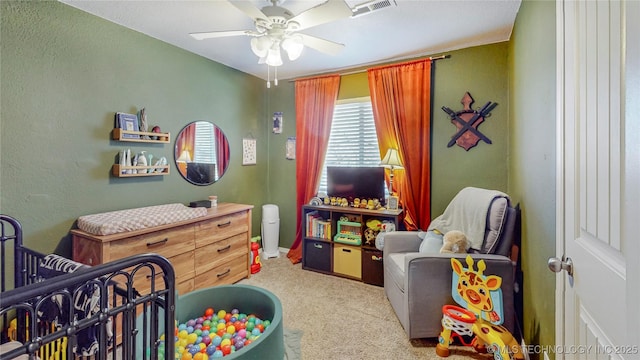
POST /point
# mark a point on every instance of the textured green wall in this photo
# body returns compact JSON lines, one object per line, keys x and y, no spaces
{"x":63,"y":75}
{"x":532,"y":176}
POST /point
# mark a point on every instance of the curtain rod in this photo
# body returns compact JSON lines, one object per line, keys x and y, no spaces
{"x":365,"y":69}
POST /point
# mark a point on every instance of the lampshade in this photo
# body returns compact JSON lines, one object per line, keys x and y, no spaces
{"x":273,"y":56}
{"x":391,"y":160}
{"x":184,"y":157}
{"x":293,"y":46}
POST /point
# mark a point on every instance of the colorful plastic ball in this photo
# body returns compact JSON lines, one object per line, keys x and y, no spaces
{"x":186,"y":356}
{"x":191,"y":322}
{"x":194,"y":350}
{"x":255,"y":332}
{"x":225,"y":342}
{"x":200,"y":356}
{"x":226,"y":350}
{"x":216,"y":340}
{"x":208,"y":312}
{"x":231,"y":329}
{"x":206,"y":340}
{"x":221,"y":314}
{"x":217,"y":354}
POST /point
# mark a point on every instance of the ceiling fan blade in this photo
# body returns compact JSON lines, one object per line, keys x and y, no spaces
{"x":328,"y":11}
{"x":217,"y":34}
{"x":322,"y":45}
{"x":249,"y":9}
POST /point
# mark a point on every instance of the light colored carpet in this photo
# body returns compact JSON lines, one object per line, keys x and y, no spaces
{"x":342,"y":319}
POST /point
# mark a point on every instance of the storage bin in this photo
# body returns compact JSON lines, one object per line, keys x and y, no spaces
{"x":372,"y":269}
{"x":317,"y":255}
{"x":347,"y":260}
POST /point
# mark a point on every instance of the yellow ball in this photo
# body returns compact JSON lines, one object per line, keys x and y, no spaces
{"x":221,"y":314}
{"x":183,"y":334}
{"x":231,"y":329}
{"x":192,"y":338}
{"x":221,"y":326}
{"x":186,"y":356}
{"x":201,"y":356}
{"x":225,"y":342}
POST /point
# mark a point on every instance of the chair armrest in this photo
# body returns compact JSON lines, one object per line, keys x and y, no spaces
{"x":401,"y":242}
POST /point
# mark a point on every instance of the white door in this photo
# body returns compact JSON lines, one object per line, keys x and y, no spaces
{"x":598,"y":189}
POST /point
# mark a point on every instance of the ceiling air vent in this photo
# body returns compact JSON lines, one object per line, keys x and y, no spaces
{"x":371,"y":6}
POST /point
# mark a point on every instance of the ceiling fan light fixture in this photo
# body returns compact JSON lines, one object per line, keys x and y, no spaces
{"x":293,"y":46}
{"x":273,"y":56}
{"x":260,"y":46}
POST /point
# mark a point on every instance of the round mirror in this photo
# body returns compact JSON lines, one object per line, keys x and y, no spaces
{"x":201,"y":153}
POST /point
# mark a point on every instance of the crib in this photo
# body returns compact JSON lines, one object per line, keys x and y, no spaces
{"x":52,"y":308}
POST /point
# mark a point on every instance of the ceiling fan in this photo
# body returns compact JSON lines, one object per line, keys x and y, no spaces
{"x":277,"y":27}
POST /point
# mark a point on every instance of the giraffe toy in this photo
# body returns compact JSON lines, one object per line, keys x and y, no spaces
{"x":481,"y":296}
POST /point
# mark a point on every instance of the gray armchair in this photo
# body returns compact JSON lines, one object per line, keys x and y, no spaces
{"x":418,"y":283}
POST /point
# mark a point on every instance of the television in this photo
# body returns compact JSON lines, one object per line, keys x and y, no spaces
{"x":355,"y":182}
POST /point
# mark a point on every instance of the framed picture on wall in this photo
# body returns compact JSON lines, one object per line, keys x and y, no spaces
{"x":277,"y":122}
{"x":248,"y":151}
{"x":291,"y":148}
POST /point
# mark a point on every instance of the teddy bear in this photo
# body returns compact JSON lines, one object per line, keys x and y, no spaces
{"x":454,"y":241}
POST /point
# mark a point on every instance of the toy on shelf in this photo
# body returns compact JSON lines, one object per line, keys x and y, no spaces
{"x":480,"y":315}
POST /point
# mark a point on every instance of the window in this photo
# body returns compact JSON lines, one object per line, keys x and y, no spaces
{"x":353,"y":140}
{"x":205,"y":145}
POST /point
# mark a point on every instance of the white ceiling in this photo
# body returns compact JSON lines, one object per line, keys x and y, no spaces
{"x":411,"y":29}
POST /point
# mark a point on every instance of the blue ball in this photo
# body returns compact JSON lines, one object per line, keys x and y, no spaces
{"x":217,"y":354}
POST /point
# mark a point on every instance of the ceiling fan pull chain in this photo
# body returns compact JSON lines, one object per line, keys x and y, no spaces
{"x":268,"y":78}
{"x":275,"y":80}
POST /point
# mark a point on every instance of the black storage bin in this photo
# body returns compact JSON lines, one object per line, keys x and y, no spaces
{"x":372,"y":270}
{"x":317,"y":255}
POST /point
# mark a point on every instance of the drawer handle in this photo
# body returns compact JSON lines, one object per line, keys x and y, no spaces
{"x":150,"y":244}
{"x":376,"y":258}
{"x":317,"y":246}
{"x":224,"y":273}
{"x":346,"y":250}
{"x":225,"y":224}
{"x":149,"y":277}
{"x":224,"y":248}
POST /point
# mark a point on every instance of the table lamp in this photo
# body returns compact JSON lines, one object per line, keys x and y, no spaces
{"x":391,"y":161}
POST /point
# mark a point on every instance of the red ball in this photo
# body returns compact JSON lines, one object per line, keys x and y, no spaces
{"x":208,"y":312}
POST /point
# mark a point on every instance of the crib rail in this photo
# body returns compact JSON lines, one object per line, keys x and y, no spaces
{"x":140,"y":319}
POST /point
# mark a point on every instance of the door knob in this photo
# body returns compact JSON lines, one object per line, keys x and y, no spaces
{"x":557,"y":265}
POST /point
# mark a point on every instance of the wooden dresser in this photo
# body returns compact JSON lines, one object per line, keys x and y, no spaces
{"x":205,"y":251}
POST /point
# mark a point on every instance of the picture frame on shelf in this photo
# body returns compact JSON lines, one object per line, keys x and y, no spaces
{"x":392,"y":203}
{"x":128,"y":122}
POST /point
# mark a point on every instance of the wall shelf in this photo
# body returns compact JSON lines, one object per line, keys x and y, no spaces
{"x":118,"y":169}
{"x":121,"y":135}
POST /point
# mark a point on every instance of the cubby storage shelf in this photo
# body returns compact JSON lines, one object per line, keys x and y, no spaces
{"x":356,"y":260}
{"x":118,"y":169}
{"x":162,"y":138}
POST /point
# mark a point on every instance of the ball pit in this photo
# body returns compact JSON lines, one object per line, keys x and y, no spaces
{"x":197,"y":339}
{"x":242,"y":311}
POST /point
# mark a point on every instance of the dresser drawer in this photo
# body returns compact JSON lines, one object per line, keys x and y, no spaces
{"x":234,"y":270}
{"x":210,"y":231}
{"x":167,"y":243}
{"x":182,"y":266}
{"x":212,"y":256}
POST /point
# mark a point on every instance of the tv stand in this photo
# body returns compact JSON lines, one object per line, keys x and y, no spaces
{"x":349,"y":254}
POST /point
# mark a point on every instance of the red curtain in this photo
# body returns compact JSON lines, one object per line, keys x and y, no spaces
{"x":401,"y":100}
{"x":222,"y":150}
{"x":315,"y":101}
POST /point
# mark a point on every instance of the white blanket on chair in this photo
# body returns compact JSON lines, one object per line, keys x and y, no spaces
{"x":467,"y":212}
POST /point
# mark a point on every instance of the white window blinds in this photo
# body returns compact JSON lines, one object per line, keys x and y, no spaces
{"x":353,"y":140}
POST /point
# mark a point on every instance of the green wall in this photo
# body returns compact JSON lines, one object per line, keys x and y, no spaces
{"x":64,"y":73}
{"x":532,"y":176}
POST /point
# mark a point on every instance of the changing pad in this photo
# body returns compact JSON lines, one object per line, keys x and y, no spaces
{"x":139,"y":218}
